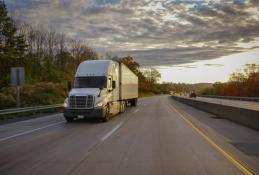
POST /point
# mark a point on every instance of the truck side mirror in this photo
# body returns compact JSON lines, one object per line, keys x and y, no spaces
{"x":69,"y":85}
{"x":113,"y":84}
{"x":100,"y":88}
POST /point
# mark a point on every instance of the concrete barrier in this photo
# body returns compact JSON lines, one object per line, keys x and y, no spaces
{"x":242,"y":116}
{"x":256,"y":99}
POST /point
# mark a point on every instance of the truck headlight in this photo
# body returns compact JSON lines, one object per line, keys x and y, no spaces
{"x":66,"y":104}
{"x":100,"y":104}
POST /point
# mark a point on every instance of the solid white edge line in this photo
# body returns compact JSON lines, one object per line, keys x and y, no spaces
{"x":30,"y":131}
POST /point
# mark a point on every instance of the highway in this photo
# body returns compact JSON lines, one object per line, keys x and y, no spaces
{"x":159,"y":136}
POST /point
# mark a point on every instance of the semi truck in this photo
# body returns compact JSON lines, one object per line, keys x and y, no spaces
{"x":101,"y":89}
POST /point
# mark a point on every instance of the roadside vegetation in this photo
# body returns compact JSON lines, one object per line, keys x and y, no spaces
{"x":243,"y":83}
{"x":185,"y":88}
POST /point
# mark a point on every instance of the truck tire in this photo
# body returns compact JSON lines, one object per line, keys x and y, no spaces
{"x":134,"y":102}
{"x":123,"y":106}
{"x":106,"y":114}
{"x":69,"y":119}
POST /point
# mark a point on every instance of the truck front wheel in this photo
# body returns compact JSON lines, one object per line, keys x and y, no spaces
{"x":106,"y":114}
{"x":134,"y":102}
{"x":69,"y":119}
{"x":122,"y":106}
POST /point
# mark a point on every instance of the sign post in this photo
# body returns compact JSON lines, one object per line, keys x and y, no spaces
{"x":17,"y":80}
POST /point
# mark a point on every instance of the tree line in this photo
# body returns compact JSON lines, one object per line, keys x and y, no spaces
{"x":244,"y":82}
{"x":46,"y":54}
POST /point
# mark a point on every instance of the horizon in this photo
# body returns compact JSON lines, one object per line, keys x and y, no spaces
{"x":224,"y":67}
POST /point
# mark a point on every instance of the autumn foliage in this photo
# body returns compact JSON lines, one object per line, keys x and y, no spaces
{"x":244,"y":82}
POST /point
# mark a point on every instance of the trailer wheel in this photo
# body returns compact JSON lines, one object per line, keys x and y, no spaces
{"x":124,"y":106}
{"x":107,"y":114}
{"x":134,"y":102}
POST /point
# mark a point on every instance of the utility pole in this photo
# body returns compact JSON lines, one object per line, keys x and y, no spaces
{"x":18,"y":100}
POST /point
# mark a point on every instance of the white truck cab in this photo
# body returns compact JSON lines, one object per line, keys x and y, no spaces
{"x":102,"y":88}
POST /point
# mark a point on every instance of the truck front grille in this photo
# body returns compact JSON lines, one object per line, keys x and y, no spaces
{"x":82,"y":102}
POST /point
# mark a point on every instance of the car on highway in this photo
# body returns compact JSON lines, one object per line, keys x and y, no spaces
{"x":192,"y":95}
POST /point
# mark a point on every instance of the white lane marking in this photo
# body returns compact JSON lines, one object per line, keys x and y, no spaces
{"x":136,"y":111}
{"x":30,"y":131}
{"x":94,"y":146}
{"x":111,"y":132}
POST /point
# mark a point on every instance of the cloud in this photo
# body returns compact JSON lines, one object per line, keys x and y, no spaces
{"x":180,"y":55}
{"x":161,"y":32}
{"x":214,"y":65}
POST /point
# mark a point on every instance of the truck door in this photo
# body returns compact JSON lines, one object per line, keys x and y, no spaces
{"x":111,"y":94}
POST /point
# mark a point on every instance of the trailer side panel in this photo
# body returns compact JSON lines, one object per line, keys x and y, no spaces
{"x":128,"y":83}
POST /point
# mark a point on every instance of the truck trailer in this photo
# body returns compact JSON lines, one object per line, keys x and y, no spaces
{"x":102,"y":88}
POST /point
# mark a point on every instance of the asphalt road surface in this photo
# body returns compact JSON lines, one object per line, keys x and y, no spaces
{"x":159,"y":136}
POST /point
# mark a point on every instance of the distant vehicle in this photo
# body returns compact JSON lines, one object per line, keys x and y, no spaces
{"x":192,"y":95}
{"x":102,"y":88}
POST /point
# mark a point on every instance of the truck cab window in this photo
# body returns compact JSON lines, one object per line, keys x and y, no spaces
{"x":90,"y":82}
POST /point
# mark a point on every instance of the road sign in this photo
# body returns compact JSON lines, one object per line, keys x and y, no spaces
{"x":17,"y":76}
{"x":17,"y":79}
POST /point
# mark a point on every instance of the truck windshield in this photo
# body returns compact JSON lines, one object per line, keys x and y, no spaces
{"x":90,"y":82}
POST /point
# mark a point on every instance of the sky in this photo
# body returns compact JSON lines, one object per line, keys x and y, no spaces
{"x":186,"y":40}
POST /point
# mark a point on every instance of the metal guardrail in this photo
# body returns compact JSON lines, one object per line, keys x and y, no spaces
{"x":233,"y":97}
{"x":28,"y":109}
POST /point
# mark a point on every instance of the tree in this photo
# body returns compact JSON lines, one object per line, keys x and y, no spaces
{"x":81,"y":52}
{"x":12,"y":46}
{"x":152,"y":75}
{"x":244,"y":82}
{"x":64,"y":60}
{"x":130,"y":63}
